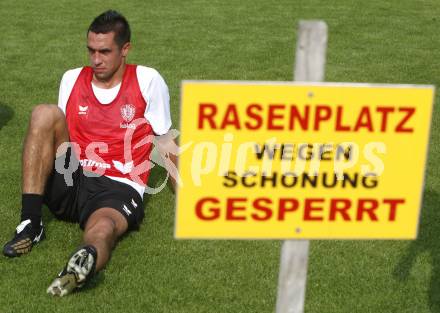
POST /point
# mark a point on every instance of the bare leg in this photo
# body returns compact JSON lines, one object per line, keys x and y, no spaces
{"x":102,"y":230}
{"x":47,"y":130}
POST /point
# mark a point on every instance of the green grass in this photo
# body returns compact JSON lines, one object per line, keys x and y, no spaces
{"x":369,"y":41}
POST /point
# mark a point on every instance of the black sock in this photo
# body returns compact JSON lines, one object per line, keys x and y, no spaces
{"x":31,"y":208}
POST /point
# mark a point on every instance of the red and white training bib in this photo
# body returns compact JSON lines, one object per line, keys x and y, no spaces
{"x":113,"y":139}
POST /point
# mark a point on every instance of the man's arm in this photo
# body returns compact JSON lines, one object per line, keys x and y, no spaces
{"x":168,"y":150}
{"x":157,"y":113}
{"x":155,"y":93}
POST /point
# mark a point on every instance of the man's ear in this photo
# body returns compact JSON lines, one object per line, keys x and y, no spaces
{"x":125,"y":49}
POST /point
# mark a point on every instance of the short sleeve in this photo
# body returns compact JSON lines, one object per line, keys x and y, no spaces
{"x":155,"y":92}
{"x":66,"y":86}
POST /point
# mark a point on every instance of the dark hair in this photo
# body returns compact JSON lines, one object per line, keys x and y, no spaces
{"x":112,"y":21}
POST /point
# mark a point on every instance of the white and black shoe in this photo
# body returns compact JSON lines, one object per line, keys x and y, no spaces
{"x":78,"y":270}
{"x":25,"y":237}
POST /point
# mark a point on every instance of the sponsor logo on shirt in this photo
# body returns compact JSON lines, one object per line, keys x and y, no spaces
{"x":91,"y":163}
{"x":126,"y":125}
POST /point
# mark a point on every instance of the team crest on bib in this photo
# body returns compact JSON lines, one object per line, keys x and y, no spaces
{"x":127,"y":112}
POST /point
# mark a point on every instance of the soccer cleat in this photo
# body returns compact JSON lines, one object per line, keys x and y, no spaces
{"x":64,"y":284}
{"x":78,"y":270}
{"x":25,"y":238}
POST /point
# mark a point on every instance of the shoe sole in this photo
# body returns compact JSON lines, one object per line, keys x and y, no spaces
{"x":81,"y":264}
{"x":77,"y":269}
{"x":63,"y":285}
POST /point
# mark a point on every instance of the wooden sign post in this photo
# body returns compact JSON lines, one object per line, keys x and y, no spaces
{"x":309,"y":66}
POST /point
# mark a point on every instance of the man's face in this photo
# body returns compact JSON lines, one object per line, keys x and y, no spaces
{"x":105,"y":55}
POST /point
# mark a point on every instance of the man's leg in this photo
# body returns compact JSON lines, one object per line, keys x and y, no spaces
{"x":102,"y":230}
{"x":47,"y":130}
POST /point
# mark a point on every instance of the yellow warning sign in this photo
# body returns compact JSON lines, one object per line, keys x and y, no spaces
{"x":302,"y":161}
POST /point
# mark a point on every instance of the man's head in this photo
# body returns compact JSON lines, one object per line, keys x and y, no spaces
{"x":112,"y":21}
{"x":108,"y":42}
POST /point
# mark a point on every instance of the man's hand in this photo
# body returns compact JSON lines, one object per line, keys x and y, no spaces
{"x":168,"y":150}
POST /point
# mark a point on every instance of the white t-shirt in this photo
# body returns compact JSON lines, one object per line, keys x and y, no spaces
{"x":154,"y":91}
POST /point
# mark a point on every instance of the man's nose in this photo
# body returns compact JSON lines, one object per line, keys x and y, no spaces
{"x":96,"y":59}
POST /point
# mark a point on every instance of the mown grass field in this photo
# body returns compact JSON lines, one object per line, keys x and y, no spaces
{"x":369,"y":41}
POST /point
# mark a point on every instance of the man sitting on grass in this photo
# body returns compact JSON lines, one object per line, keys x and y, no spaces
{"x":101,"y":131}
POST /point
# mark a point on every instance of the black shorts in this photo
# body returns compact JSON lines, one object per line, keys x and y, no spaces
{"x":75,"y":203}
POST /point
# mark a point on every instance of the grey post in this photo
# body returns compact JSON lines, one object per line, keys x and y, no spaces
{"x":309,"y":66}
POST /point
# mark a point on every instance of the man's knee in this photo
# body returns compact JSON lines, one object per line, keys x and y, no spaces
{"x":45,"y":116}
{"x":104,"y":229}
{"x":108,"y":218}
